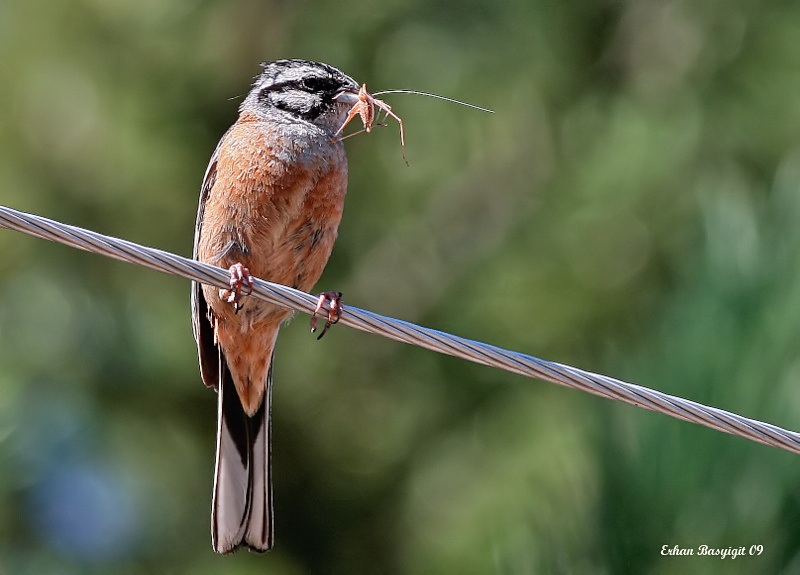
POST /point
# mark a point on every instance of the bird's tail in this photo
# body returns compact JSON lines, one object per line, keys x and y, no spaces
{"x":242,"y":506}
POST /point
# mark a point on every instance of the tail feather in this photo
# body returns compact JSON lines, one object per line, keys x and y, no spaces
{"x":260,"y":524}
{"x":242,"y":505}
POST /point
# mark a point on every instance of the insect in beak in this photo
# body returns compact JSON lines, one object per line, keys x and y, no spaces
{"x":363,"y":105}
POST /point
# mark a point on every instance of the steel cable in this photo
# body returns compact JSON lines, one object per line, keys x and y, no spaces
{"x":399,"y":330}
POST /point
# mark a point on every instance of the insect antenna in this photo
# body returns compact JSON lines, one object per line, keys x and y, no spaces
{"x":429,"y":95}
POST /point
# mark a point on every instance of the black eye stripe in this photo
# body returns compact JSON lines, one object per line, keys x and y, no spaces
{"x":278,"y":86}
{"x":321,"y":84}
{"x":313,"y":85}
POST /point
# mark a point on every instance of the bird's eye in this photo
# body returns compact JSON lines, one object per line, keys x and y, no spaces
{"x":317,"y":84}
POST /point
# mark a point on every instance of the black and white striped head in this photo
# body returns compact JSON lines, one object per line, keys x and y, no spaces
{"x":299,"y":89}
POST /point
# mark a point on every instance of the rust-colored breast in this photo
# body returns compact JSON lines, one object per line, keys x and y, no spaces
{"x":275,"y":210}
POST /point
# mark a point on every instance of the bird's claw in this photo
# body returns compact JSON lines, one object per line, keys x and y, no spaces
{"x":334,"y":309}
{"x":241,"y":283}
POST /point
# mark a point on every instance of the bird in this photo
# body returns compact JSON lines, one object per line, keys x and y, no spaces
{"x":270,"y":205}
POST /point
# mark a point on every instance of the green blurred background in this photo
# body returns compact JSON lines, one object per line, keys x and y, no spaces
{"x":631,"y":208}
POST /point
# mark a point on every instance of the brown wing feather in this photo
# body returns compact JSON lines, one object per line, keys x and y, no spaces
{"x":202,"y":329}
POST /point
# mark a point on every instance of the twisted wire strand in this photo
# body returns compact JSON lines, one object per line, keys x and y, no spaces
{"x":406,"y":332}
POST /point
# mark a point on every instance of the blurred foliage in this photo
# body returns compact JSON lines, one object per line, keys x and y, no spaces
{"x":631,"y":208}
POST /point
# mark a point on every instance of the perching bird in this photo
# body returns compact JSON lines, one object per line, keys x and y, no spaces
{"x":270,"y":205}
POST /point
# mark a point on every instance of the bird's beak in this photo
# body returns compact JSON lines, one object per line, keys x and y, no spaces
{"x":349,"y":97}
